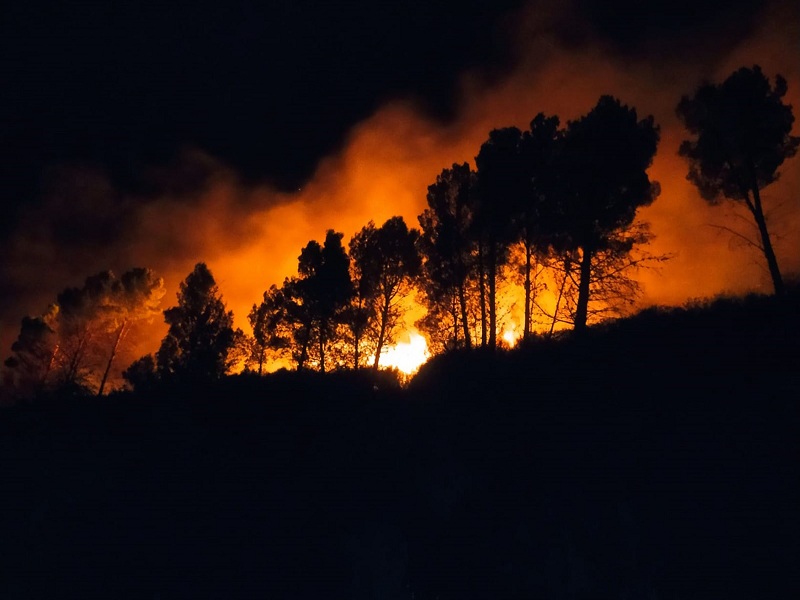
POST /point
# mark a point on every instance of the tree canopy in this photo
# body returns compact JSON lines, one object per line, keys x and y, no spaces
{"x":602,"y":181}
{"x":200,"y":331}
{"x":741,"y":131}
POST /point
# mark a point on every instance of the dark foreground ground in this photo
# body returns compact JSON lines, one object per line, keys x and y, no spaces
{"x":655,"y":459}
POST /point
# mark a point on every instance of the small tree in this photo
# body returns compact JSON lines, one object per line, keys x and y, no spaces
{"x":200,"y":330}
{"x":33,"y":353}
{"x":742,"y":132}
{"x":387,"y":260}
{"x":135,"y":297}
{"x":448,"y":250}
{"x":269,"y":323}
{"x":317,"y":298}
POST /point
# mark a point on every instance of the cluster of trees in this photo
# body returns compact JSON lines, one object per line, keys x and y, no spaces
{"x":76,"y":342}
{"x":553,"y":206}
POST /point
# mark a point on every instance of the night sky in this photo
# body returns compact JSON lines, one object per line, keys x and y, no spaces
{"x":123,"y":125}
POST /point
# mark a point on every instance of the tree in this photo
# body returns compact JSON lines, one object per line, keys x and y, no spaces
{"x":360,"y":314}
{"x":200,"y":331}
{"x":33,"y":353}
{"x":502,"y":184}
{"x":602,"y":181}
{"x":538,"y":148}
{"x":135,"y":297}
{"x":448,"y":249}
{"x":741,"y":130}
{"x":269,"y":322}
{"x":387,"y":259}
{"x":75,"y":343}
{"x":317,"y":298}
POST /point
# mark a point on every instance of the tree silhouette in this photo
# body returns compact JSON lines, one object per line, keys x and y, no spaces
{"x":742,"y":132}
{"x":386,"y":260}
{"x":360,"y":314}
{"x":502,"y":185}
{"x":539,"y":147}
{"x":268,"y":320}
{"x":134,"y":297}
{"x":200,"y":331}
{"x":448,"y":248}
{"x":33,"y":353}
{"x":77,"y":341}
{"x":318,"y":297}
{"x":602,"y":181}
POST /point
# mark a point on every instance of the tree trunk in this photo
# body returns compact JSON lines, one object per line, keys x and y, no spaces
{"x":322,"y":327}
{"x":454,"y":315}
{"x":567,"y":268}
{"x":482,"y":288}
{"x":527,"y":328}
{"x":766,"y":244}
{"x":381,"y":332}
{"x":50,"y":364}
{"x":120,"y":335}
{"x":462,"y":299}
{"x":492,"y":274}
{"x":582,"y":310}
{"x":356,"y":344}
{"x":75,"y":361}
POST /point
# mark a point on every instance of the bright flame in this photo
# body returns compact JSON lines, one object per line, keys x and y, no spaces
{"x":510,"y":337}
{"x":407,"y":356}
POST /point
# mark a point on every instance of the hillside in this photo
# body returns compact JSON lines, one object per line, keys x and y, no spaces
{"x":653,"y":457}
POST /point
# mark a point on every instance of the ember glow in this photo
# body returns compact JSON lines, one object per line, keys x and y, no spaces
{"x":251,"y":236}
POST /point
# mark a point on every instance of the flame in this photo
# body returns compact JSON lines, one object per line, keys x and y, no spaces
{"x":408,"y":356}
{"x":510,"y":337}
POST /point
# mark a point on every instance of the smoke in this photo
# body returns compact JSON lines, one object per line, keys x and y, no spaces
{"x":250,"y":236}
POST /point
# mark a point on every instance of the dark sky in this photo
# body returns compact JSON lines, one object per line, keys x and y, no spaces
{"x":266,"y":87}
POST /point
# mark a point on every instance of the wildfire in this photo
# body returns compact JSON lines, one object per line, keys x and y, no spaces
{"x":408,"y":356}
{"x":510,"y":337}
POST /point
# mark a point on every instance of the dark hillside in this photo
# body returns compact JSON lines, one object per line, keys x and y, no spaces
{"x":653,"y":457}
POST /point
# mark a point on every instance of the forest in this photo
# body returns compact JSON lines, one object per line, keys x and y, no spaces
{"x":562,"y":441}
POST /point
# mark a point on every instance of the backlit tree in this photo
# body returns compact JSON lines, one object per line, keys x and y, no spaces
{"x":741,"y":131}
{"x":200,"y":331}
{"x":602,"y":181}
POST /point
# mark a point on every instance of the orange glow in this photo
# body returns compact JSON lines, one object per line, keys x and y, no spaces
{"x":250,"y":237}
{"x":408,"y":356}
{"x":510,"y":337}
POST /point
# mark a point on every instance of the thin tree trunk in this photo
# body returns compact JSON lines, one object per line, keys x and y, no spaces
{"x":322,"y":327}
{"x":356,"y":343}
{"x":527,"y":328}
{"x":582,"y":309}
{"x":72,"y":371}
{"x":766,"y":244}
{"x":560,"y":295}
{"x":462,"y":299}
{"x":492,"y":273}
{"x":50,"y":364}
{"x":117,"y":341}
{"x":482,"y":288}
{"x":454,"y":315}
{"x":381,"y":333}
